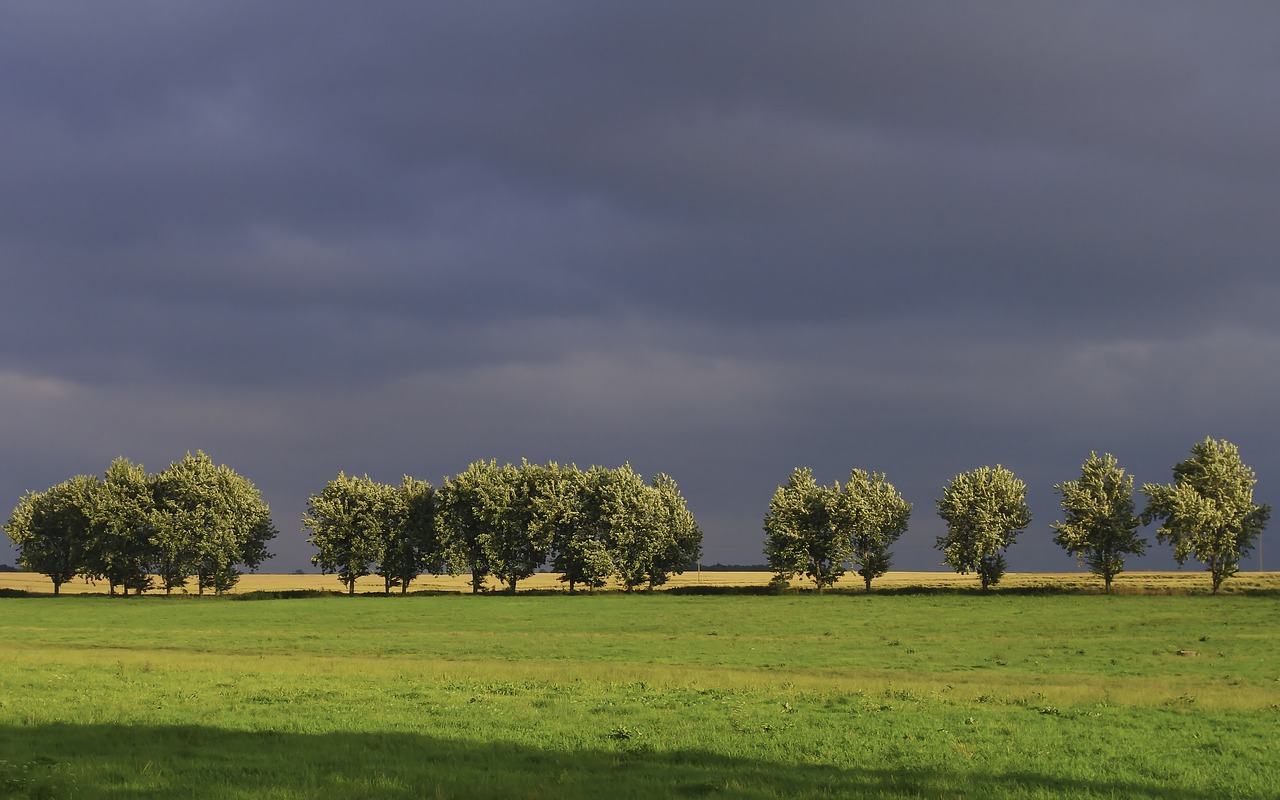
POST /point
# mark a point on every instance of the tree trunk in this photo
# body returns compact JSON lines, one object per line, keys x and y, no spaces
{"x":983,"y":575}
{"x":1107,"y":580}
{"x":868,"y":580}
{"x":351,"y":586}
{"x":404,"y":587}
{"x":571,"y":586}
{"x":56,"y":585}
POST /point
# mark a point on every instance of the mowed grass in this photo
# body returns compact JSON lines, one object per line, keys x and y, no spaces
{"x":545,"y":695}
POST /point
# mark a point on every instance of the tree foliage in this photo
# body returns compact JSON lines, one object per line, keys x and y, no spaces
{"x":362,"y":527}
{"x":413,"y":546}
{"x":820,"y":531}
{"x":349,"y":522}
{"x":1099,"y":526}
{"x":618,"y":508}
{"x":677,"y":538}
{"x":509,"y":521}
{"x":130,"y":527}
{"x":872,"y":515}
{"x":463,"y":522}
{"x":800,"y":533}
{"x":519,"y":540}
{"x":53,"y":528}
{"x":1208,"y":512}
{"x":985,"y":510}
{"x":122,"y":551}
{"x":207,"y":521}
{"x":579,"y":548}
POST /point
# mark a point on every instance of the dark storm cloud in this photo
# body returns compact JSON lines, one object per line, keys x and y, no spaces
{"x":718,"y":239}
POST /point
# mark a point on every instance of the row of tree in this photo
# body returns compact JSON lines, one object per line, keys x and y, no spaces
{"x":506,"y":521}
{"x":1207,"y":513}
{"x":820,"y":531}
{"x":130,"y":528}
{"x":197,"y":519}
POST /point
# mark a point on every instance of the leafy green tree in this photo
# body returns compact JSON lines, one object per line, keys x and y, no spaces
{"x":188,"y":509}
{"x":348,"y":522}
{"x":1099,"y":526}
{"x":120,"y":549}
{"x":52,"y":528}
{"x":463,"y":522}
{"x":414,"y":544}
{"x":625,"y":512}
{"x":578,"y":547}
{"x":239,"y":537}
{"x":583,"y":559}
{"x":677,"y":538}
{"x":800,"y":536}
{"x":381,"y":520}
{"x":508,"y":521}
{"x":872,"y":514}
{"x":584,"y":549}
{"x":985,"y":510}
{"x":1208,"y":512}
{"x":514,"y":541}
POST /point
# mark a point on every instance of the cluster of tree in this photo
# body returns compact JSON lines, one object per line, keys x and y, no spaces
{"x":819,"y":531}
{"x":1207,"y":513}
{"x":130,"y":528}
{"x":506,"y":521}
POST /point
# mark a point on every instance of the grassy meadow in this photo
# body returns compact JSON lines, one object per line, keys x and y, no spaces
{"x":916,"y":694}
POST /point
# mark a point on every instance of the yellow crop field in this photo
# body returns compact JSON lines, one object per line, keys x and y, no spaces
{"x":1126,"y":583}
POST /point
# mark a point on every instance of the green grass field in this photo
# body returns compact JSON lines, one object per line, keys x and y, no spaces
{"x":934,"y":695}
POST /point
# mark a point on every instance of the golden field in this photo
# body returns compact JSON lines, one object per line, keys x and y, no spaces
{"x":1178,"y":582}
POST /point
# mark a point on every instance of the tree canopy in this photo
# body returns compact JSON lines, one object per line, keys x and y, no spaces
{"x":819,"y":531}
{"x":507,"y":521}
{"x":871,"y":513}
{"x":1208,"y":512}
{"x":129,"y":527}
{"x":350,"y":521}
{"x":985,"y":510}
{"x":1099,"y":526}
{"x":53,"y":528}
{"x":800,"y":537}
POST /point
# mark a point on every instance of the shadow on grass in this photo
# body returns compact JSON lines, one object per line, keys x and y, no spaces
{"x":193,"y":761}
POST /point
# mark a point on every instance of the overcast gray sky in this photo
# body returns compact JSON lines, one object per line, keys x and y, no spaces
{"x":715,"y":239}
